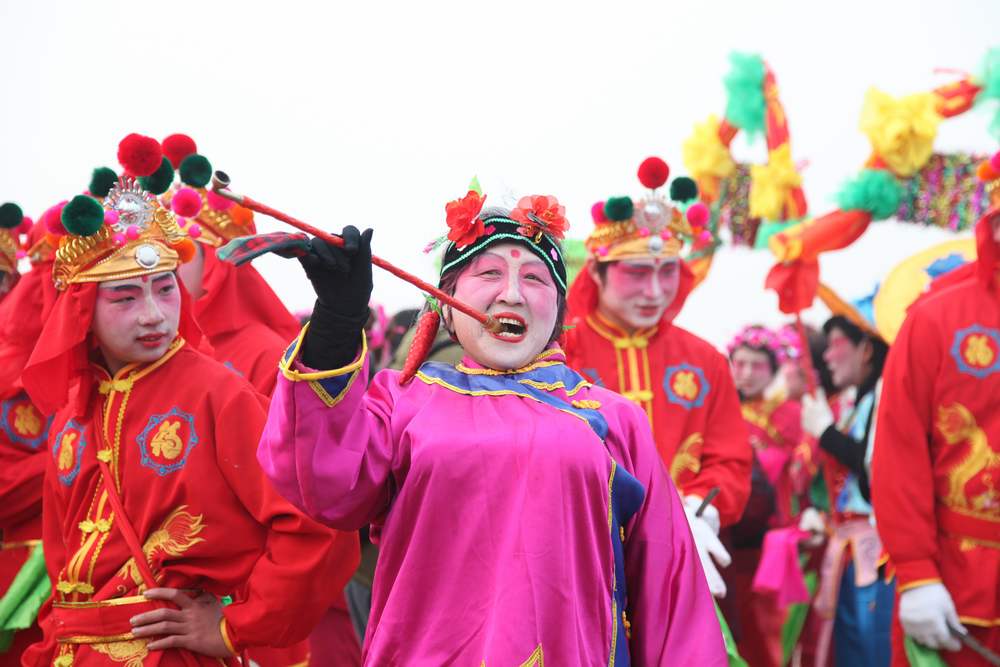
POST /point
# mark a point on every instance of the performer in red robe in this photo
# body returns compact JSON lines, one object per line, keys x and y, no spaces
{"x":244,"y":320}
{"x":248,"y":328}
{"x":936,"y":462}
{"x":779,"y":482}
{"x":622,"y":336}
{"x":23,"y":434}
{"x":154,"y":506}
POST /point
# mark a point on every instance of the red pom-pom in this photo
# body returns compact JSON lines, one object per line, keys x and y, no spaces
{"x":653,"y":172}
{"x":139,"y":155}
{"x":597,"y":213}
{"x":218,"y":202}
{"x":52,"y":219}
{"x":995,"y":162}
{"x":186,"y":203}
{"x":176,"y":147}
{"x":697,"y":214}
{"x":26,"y":225}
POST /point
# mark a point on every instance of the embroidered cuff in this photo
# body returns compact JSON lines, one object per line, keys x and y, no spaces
{"x":330,"y":386}
{"x":916,"y":573}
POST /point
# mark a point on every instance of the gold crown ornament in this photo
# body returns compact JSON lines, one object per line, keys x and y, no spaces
{"x":652,"y":228}
{"x":130,"y":234}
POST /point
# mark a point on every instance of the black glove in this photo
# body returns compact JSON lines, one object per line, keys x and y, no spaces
{"x":342,"y":280}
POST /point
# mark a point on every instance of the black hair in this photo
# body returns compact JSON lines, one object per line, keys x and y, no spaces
{"x":857,"y":335}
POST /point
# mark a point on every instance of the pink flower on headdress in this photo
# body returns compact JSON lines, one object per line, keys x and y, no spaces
{"x":540,"y":213}
{"x":462,"y":216}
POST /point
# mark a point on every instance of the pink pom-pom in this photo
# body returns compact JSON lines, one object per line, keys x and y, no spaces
{"x":644,"y":232}
{"x":705,"y":236}
{"x":666,"y":235}
{"x":218,"y":202}
{"x":21,"y":254}
{"x":194,"y":231}
{"x":698,"y":214}
{"x":597,"y":212}
{"x":52,"y":219}
{"x":182,"y":222}
{"x":132,"y":233}
{"x":603,"y":251}
{"x":186,"y":203}
{"x":111,"y":217}
{"x":995,"y":162}
{"x":119,"y":239}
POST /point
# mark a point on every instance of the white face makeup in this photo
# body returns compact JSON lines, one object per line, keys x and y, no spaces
{"x":136,"y":319}
{"x":634,"y":293}
{"x":513,"y":285}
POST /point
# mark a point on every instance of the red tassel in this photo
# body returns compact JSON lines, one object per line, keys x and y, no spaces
{"x":427,"y":328}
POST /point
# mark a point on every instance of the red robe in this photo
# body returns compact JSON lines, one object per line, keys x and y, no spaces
{"x":207,"y":517}
{"x":683,"y":383}
{"x":936,"y":464}
{"x":246,"y":324}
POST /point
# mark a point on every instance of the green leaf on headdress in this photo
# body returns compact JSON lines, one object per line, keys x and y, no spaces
{"x":475,"y":187}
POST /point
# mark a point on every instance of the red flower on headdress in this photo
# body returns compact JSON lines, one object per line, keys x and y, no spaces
{"x":540,"y":213}
{"x":464,"y":225}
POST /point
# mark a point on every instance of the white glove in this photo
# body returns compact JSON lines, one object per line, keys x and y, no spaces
{"x":811,"y":520}
{"x":816,"y":413}
{"x":710,"y":549}
{"x":925,"y":612}
{"x":710,"y":515}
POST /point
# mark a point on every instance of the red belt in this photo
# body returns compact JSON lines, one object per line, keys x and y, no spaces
{"x":99,"y":622}
{"x":958,"y":525}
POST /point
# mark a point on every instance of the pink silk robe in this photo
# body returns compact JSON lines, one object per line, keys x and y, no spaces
{"x":509,"y":531}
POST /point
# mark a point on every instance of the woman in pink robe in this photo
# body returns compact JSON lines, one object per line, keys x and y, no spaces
{"x":523,"y":514}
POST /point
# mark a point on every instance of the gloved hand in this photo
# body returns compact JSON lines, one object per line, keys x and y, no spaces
{"x":925,"y":612}
{"x":342,"y":280}
{"x":811,"y":520}
{"x":816,"y":413}
{"x":706,"y":540}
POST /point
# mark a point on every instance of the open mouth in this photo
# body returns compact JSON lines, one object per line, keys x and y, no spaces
{"x":513,"y":327}
{"x":151,"y":340}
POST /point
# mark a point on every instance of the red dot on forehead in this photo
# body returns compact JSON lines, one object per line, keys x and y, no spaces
{"x":515,"y":253}
{"x":145,"y":279}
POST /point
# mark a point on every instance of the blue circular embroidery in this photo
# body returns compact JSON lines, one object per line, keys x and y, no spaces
{"x":690,"y":396}
{"x":148,"y":443}
{"x":987,"y":367}
{"x":10,"y":415}
{"x":71,"y":436}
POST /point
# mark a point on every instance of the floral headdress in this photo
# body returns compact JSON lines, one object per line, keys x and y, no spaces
{"x":538,"y":222}
{"x":760,"y":338}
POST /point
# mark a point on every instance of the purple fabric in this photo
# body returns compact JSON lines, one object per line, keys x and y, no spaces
{"x":494,"y":519}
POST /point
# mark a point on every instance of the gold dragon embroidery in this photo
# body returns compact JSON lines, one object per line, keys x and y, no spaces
{"x":688,"y":457}
{"x":685,"y":385}
{"x":178,"y":533}
{"x":131,"y":652}
{"x":957,"y":424}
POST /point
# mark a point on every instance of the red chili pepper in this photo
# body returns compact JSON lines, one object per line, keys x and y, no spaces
{"x":427,"y":328}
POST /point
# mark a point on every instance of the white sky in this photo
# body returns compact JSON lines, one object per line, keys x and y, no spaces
{"x":377,"y":113}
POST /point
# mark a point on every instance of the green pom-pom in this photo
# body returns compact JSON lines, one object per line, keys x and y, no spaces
{"x":873,"y":190}
{"x":10,"y":215}
{"x":83,"y":216}
{"x":683,"y":189}
{"x":159,"y":181}
{"x":196,"y":171}
{"x":101,"y":181}
{"x":745,"y":104}
{"x":618,"y":208}
{"x":989,"y":79}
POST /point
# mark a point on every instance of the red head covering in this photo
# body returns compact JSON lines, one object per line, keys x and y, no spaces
{"x":236,"y":296}
{"x":583,"y":294}
{"x":22,"y":314}
{"x":60,"y":361}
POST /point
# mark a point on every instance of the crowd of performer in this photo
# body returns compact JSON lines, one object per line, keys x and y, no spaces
{"x":192,"y":475}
